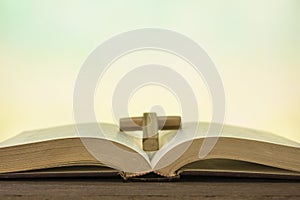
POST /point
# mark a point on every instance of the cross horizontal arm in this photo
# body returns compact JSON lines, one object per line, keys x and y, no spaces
{"x":164,"y":123}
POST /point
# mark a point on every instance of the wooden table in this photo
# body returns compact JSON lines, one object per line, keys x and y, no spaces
{"x":206,"y":188}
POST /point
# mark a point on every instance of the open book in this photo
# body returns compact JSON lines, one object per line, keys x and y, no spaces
{"x":63,"y":152}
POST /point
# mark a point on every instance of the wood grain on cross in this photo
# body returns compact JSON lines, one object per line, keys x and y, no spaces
{"x":150,"y":124}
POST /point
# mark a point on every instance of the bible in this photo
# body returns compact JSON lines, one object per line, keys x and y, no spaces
{"x":142,"y":147}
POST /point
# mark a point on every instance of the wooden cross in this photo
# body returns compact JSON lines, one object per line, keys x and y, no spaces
{"x":150,"y":124}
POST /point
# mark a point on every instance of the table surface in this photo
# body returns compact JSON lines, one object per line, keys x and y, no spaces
{"x":205,"y":188}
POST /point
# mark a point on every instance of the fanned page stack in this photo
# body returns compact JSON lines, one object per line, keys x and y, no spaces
{"x":62,"y":152}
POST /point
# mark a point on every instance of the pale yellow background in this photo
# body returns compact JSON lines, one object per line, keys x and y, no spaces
{"x":254,"y":44}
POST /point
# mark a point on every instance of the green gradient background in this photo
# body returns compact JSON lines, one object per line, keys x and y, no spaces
{"x":254,"y":44}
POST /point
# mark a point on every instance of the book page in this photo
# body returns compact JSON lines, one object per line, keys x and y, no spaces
{"x":194,"y":130}
{"x":109,"y":132}
{"x":227,"y":165}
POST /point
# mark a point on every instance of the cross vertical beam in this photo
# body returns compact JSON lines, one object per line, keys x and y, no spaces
{"x":150,"y":132}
